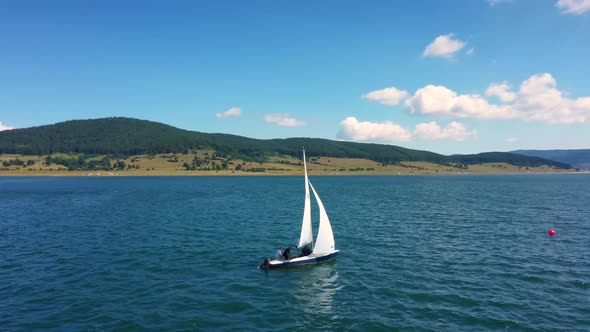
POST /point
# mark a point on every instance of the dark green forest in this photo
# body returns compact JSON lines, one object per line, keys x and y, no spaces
{"x":126,"y":137}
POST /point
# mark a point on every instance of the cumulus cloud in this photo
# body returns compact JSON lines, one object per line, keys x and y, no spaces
{"x":387,"y":96}
{"x":283,"y":120}
{"x":4,"y":127}
{"x":232,"y":112}
{"x":537,"y":99}
{"x":352,"y":129}
{"x":439,"y":100}
{"x":470,"y":51}
{"x":355,"y":130}
{"x":540,"y":100}
{"x":501,"y":90}
{"x":576,"y":7}
{"x":443,"y":46}
{"x":454,"y":131}
{"x":512,"y":139}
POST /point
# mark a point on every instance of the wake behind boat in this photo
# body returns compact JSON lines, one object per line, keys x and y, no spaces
{"x":324,"y":248}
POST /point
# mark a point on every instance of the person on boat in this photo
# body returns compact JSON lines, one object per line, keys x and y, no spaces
{"x":305,"y":251}
{"x":280,"y":253}
{"x":287,"y":253}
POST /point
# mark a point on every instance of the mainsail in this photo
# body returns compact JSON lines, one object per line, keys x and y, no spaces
{"x":324,"y":242}
{"x":306,"y":231}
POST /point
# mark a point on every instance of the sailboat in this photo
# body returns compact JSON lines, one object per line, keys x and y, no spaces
{"x":324,"y":246}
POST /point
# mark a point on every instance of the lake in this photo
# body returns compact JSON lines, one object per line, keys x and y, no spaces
{"x":418,"y":253}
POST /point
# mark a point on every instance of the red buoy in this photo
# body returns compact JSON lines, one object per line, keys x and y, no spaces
{"x":551,"y":232}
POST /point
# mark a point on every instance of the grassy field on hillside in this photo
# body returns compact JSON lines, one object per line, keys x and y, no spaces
{"x":181,"y":165}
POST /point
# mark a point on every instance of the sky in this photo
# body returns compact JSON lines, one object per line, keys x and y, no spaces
{"x":444,"y":76}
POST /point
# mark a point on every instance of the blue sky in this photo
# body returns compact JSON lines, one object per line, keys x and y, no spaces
{"x":445,"y":76}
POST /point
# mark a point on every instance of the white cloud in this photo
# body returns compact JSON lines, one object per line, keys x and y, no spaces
{"x":537,"y":99}
{"x":439,"y":100}
{"x":387,"y":96}
{"x":352,"y":129}
{"x":234,"y":111}
{"x":283,"y":120}
{"x":512,"y":139}
{"x":443,"y":46}
{"x":4,"y":127}
{"x":497,"y":2}
{"x":470,"y":51}
{"x":501,"y":90}
{"x":454,"y":131}
{"x":540,"y":100}
{"x":576,"y":7}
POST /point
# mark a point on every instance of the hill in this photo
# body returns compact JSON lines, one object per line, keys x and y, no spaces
{"x":125,"y":136}
{"x":576,"y":158}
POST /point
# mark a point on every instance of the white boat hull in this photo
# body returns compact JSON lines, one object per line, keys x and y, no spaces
{"x":305,"y":260}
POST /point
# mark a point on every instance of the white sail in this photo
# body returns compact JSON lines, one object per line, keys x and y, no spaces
{"x":324,"y":243}
{"x":306,"y":231}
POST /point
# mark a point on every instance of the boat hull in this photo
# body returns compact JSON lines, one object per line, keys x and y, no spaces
{"x":307,"y":260}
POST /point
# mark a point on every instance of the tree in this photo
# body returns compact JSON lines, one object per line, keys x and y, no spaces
{"x":119,"y":165}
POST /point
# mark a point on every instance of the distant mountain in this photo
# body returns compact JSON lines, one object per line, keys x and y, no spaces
{"x":576,"y":158}
{"x":127,"y":136}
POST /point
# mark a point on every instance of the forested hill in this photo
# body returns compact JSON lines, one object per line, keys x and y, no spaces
{"x":579,"y":158}
{"x":125,"y":136}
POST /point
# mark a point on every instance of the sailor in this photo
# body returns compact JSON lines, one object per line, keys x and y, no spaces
{"x":280,"y":253}
{"x":287,"y":253}
{"x":306,"y":251}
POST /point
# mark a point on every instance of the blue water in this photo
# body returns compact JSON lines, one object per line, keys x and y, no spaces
{"x":432,"y":253}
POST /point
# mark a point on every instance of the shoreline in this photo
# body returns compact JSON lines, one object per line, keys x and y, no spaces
{"x":256,"y":174}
